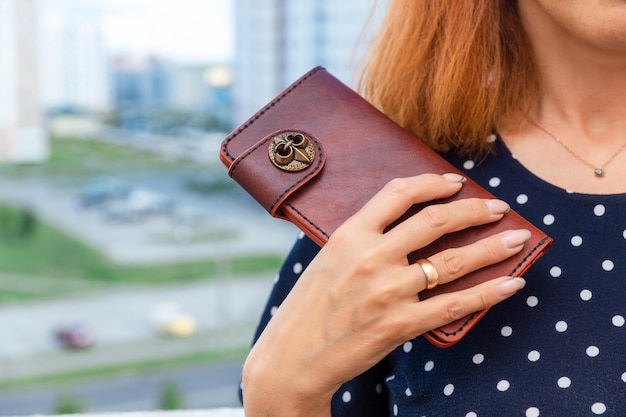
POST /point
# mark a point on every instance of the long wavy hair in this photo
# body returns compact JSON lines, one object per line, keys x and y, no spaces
{"x":450,"y":70}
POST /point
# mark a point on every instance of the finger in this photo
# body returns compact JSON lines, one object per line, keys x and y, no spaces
{"x":446,"y":308}
{"x":399,"y":194}
{"x":457,"y":262}
{"x":435,"y":220}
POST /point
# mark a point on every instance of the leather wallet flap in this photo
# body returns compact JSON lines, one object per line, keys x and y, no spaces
{"x":277,"y":166}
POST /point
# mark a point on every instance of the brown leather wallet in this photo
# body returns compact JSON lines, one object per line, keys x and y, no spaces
{"x":317,"y":152}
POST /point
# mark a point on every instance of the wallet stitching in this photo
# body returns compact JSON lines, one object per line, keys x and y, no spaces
{"x":517,"y":267}
{"x":306,"y":219}
{"x":265,"y":110}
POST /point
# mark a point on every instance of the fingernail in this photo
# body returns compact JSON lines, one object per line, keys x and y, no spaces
{"x":511,"y":286}
{"x":452,"y":177}
{"x":515,"y":238}
{"x":497,"y":206}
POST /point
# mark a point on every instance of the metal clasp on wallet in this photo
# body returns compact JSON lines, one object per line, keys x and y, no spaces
{"x":291,"y":151}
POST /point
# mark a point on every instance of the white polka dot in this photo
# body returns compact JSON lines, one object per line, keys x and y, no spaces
{"x":522,"y":199}
{"x":513,"y":156}
{"x":491,"y":138}
{"x":586,"y":295}
{"x":532,"y":301}
{"x":471,"y":414}
{"x":592,"y":351}
{"x":624,"y":233}
{"x":561,"y":326}
{"x":503,"y":385}
{"x":379,"y":388}
{"x":624,"y":377}
{"x":297,"y":268}
{"x":390,"y":378}
{"x":618,"y":321}
{"x":532,"y":412}
{"x":273,"y":310}
{"x":608,"y":265}
{"x":569,"y":191}
{"x":408,"y":392}
{"x":506,"y":331}
{"x":407,"y":347}
{"x":494,"y":182}
{"x":548,"y":219}
{"x":346,"y":397}
{"x":301,"y":235}
{"x":555,"y":271}
{"x":533,"y":356}
{"x":577,"y":241}
{"x":428,"y":366}
{"x":276,"y":278}
{"x":478,"y":358}
{"x":469,"y":164}
{"x":598,"y":408}
{"x":395,"y":409}
{"x":448,"y":390}
{"x":564,"y":382}
{"x":599,"y":210}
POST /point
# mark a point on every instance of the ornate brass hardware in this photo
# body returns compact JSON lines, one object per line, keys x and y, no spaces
{"x":291,"y":151}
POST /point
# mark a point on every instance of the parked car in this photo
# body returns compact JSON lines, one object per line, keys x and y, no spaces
{"x":139,"y":203}
{"x":75,"y":336}
{"x":169,"y":320}
{"x":103,"y":189}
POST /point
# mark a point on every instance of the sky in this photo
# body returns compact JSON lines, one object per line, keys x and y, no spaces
{"x":183,"y":30}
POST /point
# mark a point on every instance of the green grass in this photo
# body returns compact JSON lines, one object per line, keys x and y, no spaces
{"x":64,"y":378}
{"x":49,"y":252}
{"x":71,"y":157}
{"x":48,"y":262}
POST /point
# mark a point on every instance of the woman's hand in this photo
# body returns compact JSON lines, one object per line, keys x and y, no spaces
{"x":357,"y":300}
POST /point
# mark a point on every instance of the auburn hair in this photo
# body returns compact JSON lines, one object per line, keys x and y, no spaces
{"x":450,"y":70}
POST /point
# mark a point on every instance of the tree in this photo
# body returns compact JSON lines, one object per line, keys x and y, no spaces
{"x":171,"y":397}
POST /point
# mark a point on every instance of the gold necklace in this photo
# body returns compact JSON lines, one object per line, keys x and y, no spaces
{"x":598,"y":170}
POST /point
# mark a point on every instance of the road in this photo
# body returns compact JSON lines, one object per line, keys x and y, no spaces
{"x":226,"y":310}
{"x":205,"y":386}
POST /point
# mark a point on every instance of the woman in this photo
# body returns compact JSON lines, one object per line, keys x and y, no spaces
{"x":549,"y":76}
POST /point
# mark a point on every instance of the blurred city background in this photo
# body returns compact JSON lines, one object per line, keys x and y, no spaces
{"x":132,"y":269}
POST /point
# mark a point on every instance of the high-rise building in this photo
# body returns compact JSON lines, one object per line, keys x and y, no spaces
{"x":22,"y":137}
{"x":279,"y":40}
{"x":74,"y":59}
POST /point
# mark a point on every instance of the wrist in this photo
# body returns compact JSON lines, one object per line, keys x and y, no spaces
{"x":270,"y":391}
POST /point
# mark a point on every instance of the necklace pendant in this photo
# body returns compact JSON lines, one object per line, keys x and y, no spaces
{"x":598,"y":172}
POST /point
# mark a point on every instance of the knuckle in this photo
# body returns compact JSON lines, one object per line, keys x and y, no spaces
{"x":452,"y":262}
{"x":397,"y":186}
{"x":476,"y":207}
{"x":482,"y":301}
{"x":383,"y":296}
{"x":492,"y":252}
{"x":454,"y":310}
{"x":435,"y":215}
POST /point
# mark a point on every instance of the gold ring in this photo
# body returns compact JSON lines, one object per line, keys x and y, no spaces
{"x":432,"y":276}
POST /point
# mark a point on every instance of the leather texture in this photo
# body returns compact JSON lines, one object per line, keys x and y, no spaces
{"x":358,"y":150}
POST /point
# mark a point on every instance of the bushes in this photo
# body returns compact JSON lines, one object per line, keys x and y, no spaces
{"x":16,"y":223}
{"x":171,"y":397}
{"x":68,"y":404}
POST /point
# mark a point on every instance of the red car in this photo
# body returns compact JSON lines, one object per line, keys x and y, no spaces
{"x":75,"y":336}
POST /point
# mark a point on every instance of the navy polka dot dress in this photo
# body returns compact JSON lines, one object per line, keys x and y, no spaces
{"x":557,"y":348}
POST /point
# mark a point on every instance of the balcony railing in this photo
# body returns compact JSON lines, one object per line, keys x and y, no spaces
{"x":216,"y":412}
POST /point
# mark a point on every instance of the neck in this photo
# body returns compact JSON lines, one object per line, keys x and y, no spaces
{"x":582,"y":74}
{"x":583,"y":85}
